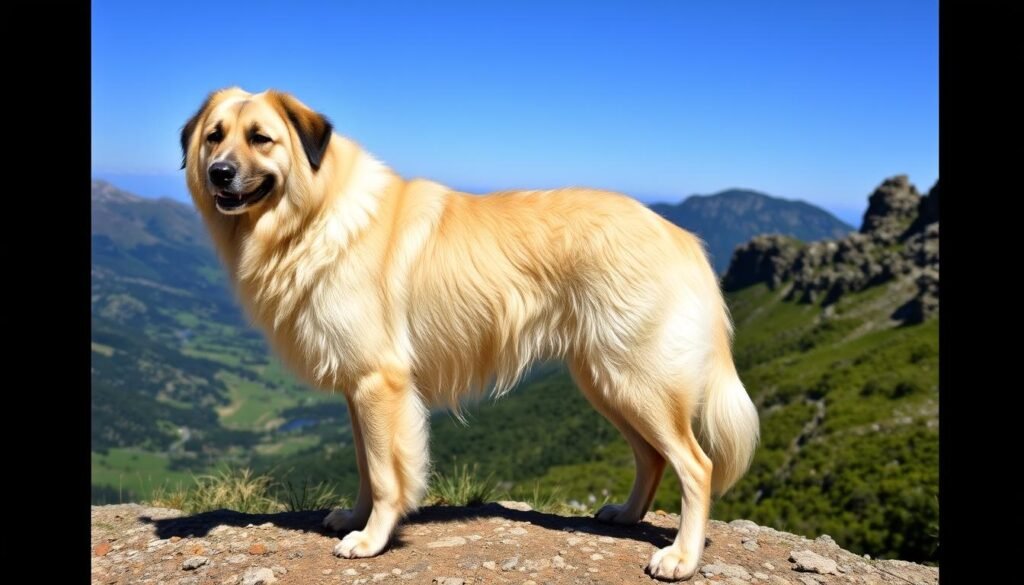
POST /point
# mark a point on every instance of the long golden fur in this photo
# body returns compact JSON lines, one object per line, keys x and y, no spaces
{"x":405,"y":294}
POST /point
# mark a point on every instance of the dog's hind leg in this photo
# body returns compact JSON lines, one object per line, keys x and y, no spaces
{"x":341,"y":520}
{"x":393,"y":423}
{"x":649,"y":463}
{"x":665,"y":423}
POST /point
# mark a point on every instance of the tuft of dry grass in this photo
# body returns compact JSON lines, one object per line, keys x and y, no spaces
{"x":244,"y":491}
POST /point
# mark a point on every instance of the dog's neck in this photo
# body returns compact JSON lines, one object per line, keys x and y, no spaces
{"x":265,"y":249}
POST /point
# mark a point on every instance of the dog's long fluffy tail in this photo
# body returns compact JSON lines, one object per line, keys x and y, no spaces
{"x":729,"y":423}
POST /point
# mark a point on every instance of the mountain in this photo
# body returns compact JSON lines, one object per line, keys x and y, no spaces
{"x":725,"y":220}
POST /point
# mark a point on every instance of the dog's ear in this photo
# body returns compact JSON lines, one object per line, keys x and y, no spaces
{"x":314,"y":129}
{"x":190,"y":127}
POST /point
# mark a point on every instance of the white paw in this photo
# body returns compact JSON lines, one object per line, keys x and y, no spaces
{"x":340,"y":520}
{"x":617,"y":514}
{"x":670,"y":564}
{"x":357,"y":545}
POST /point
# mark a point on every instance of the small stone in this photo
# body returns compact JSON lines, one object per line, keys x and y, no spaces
{"x":534,"y":566}
{"x":279,"y":570}
{"x":867,"y":556}
{"x":102,"y":549}
{"x":447,"y":542}
{"x":776,"y":580}
{"x":380,"y":576}
{"x":258,"y":549}
{"x":825,"y":539}
{"x":529,"y":582}
{"x":350,"y":572}
{"x":517,"y":531}
{"x":558,"y":562}
{"x":266,"y":525}
{"x":237,"y":559}
{"x":193,"y":563}
{"x":258,"y":576}
{"x":761,"y":576}
{"x":605,"y":539}
{"x":597,"y":557}
{"x":750,"y":544}
{"x":175,"y":538}
{"x":327,"y":571}
{"x":490,"y":565}
{"x":509,"y":564}
{"x":725,"y":570}
{"x":768,"y":566}
{"x":230,"y":580}
{"x":574,"y":540}
{"x":449,"y":581}
{"x":474,"y":537}
{"x":592,"y":569}
{"x":811,"y":562}
{"x":396,"y":571}
{"x":745,"y":525}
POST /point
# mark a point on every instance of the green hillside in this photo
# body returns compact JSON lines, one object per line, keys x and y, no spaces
{"x":180,"y":381}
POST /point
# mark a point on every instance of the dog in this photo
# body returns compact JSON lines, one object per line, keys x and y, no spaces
{"x":405,"y":295}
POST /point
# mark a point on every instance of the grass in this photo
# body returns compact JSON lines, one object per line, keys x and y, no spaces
{"x":242,"y":490}
{"x":247,"y":492}
{"x":461,"y":488}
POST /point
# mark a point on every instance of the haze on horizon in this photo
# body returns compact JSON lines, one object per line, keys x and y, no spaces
{"x":659,"y":100}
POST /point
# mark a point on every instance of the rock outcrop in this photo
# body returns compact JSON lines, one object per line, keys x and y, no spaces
{"x":459,"y":546}
{"x":899,"y":239}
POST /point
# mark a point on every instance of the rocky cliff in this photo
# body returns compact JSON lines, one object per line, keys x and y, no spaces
{"x":898,"y":241}
{"x":505,"y":542}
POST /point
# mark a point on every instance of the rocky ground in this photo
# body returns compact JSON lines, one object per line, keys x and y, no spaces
{"x":495,"y":543}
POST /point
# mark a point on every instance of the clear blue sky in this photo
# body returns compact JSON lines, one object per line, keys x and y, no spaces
{"x":817,"y":101}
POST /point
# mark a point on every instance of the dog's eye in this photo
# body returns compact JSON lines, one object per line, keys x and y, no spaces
{"x":260,"y":139}
{"x":215,"y":136}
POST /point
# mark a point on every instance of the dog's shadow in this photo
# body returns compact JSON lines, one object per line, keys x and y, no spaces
{"x":200,"y":525}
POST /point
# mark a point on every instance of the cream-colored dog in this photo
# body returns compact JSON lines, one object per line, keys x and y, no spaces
{"x":404,"y":294}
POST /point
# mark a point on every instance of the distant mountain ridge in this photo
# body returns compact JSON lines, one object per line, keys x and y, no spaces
{"x":729,"y":218}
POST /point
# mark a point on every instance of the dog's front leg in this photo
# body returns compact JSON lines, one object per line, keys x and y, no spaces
{"x":345,"y":521}
{"x":393,"y":422}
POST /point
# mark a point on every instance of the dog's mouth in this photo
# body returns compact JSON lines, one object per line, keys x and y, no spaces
{"x":228,"y":202}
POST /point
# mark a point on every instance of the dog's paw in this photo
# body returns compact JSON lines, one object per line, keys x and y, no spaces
{"x":617,"y":514}
{"x":357,"y":545}
{"x":341,"y":520}
{"x":669,"y":564}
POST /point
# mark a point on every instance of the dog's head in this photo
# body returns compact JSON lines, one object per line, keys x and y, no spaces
{"x":241,"y":151}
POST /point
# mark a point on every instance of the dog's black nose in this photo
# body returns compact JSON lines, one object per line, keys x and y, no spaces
{"x":222,"y":173}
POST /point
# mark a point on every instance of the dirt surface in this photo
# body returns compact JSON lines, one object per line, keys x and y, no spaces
{"x":494,"y":543}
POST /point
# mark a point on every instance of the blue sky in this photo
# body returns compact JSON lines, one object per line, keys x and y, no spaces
{"x":817,"y":101}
